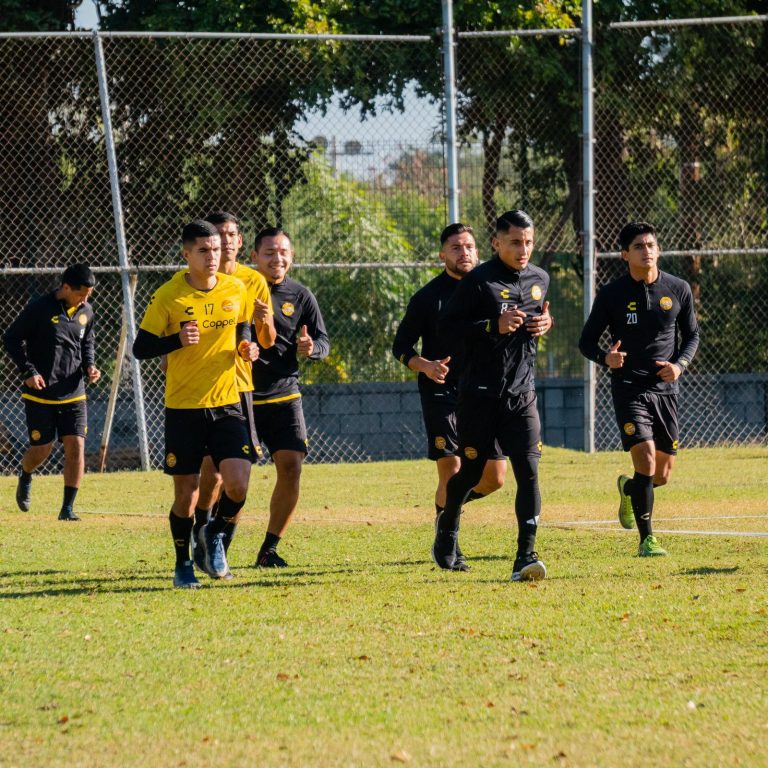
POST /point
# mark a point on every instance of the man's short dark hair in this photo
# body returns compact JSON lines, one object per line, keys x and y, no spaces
{"x":514,"y":218}
{"x":269,"y":232}
{"x":78,"y":276}
{"x":455,"y":229}
{"x":217,"y":218}
{"x":630,"y":231}
{"x":197,"y":228}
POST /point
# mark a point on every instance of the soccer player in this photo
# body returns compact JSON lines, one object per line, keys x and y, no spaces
{"x":277,"y":406}
{"x":200,"y":320}
{"x":498,"y":311}
{"x":52,"y":343}
{"x":439,"y":366}
{"x":644,"y":312}
{"x":259,"y":298}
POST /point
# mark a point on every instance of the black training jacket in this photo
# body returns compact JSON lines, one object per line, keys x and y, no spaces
{"x":646,"y":319}
{"x":421,"y":322}
{"x":45,"y":340}
{"x":495,"y":364}
{"x":276,"y":372}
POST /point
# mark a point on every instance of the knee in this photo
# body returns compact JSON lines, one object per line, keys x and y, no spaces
{"x":661,"y":478}
{"x":290,"y":472}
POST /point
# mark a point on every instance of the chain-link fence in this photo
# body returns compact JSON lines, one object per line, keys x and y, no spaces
{"x":337,"y":140}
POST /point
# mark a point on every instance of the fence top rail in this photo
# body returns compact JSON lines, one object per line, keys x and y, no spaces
{"x":687,"y":22}
{"x":713,"y":252}
{"x":560,"y":32}
{"x":226,"y":36}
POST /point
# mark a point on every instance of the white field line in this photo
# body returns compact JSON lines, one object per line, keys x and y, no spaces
{"x":667,"y":519}
{"x":597,"y":525}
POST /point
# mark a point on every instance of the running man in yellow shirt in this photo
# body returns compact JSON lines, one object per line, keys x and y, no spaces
{"x":200,"y":320}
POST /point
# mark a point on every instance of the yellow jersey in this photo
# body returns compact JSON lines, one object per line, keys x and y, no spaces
{"x":200,"y":375}
{"x":256,"y":287}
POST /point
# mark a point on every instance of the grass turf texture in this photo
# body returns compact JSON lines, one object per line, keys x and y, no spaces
{"x":363,"y":654}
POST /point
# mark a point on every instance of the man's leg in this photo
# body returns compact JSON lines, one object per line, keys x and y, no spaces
{"x":447,"y":467}
{"x":235,"y":474}
{"x":527,"y":565}
{"x":74,"y":467}
{"x":208,"y":495}
{"x":664,"y":464}
{"x":493,"y":477}
{"x":185,"y":489}
{"x":33,"y":458}
{"x":282,"y":505}
{"x":640,"y":489}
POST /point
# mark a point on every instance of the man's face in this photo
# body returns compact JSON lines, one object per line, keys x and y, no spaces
{"x":514,"y":246}
{"x":75,"y":297}
{"x":274,"y":258}
{"x":231,"y":241}
{"x":643,"y":252}
{"x":203,"y":256}
{"x":459,"y":254}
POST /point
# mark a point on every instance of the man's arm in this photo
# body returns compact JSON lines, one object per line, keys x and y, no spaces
{"x":88,"y":352}
{"x":147,"y":345}
{"x":689,"y":330}
{"x":313,"y":341}
{"x":597,"y":322}
{"x":459,"y":319}
{"x":15,"y":341}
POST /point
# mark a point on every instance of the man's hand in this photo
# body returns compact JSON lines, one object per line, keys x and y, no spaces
{"x":248,"y":350}
{"x":668,"y":371}
{"x":437,"y":370}
{"x":305,"y":345}
{"x":93,"y":373}
{"x":261,"y":311}
{"x":511,"y":320}
{"x":189,"y":334}
{"x":615,"y":359}
{"x":538,"y":325}
{"x":35,"y":382}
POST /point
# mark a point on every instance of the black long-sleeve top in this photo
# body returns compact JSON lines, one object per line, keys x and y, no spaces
{"x":646,"y":319}
{"x":276,"y":372}
{"x":421,"y":322}
{"x":495,"y":364}
{"x":45,"y":339}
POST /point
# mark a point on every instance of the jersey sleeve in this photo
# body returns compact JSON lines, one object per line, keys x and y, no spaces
{"x":261,"y":291}
{"x":15,"y":341}
{"x":459,"y":318}
{"x":246,"y":310}
{"x":156,"y":315}
{"x":689,"y":329}
{"x":88,"y":345}
{"x":312,"y":318}
{"x":597,"y":322}
{"x":410,"y":330}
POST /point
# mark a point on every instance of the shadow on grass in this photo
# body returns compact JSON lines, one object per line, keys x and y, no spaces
{"x":706,"y":571}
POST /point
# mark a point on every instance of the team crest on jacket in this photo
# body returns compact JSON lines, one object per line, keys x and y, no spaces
{"x":665,"y":302}
{"x":288,"y":309}
{"x":82,"y":319}
{"x":536,"y":292}
{"x":227,"y":306}
{"x":629,"y":428}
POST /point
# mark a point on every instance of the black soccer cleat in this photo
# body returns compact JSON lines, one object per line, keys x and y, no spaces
{"x":24,"y":494}
{"x":184,"y":576}
{"x":68,"y":515}
{"x":270,"y":559}
{"x":444,"y":545}
{"x":460,"y":564}
{"x":529,"y":568}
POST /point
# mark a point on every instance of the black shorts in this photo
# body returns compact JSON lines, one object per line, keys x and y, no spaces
{"x":440,"y":423}
{"x":246,"y":405}
{"x":191,"y":433}
{"x":46,"y":420}
{"x":511,"y":422}
{"x":280,"y":426}
{"x":644,"y":416}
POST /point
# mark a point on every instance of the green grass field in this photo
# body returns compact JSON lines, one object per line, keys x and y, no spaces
{"x":363,"y":654}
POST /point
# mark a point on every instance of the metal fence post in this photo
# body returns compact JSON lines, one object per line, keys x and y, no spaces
{"x":122,"y":250}
{"x":588,"y":210}
{"x":449,"y":78}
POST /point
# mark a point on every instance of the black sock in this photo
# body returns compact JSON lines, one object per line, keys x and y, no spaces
{"x":271,"y":541}
{"x":226,"y":512}
{"x":527,"y":502}
{"x":642,"y":503}
{"x":26,"y":476}
{"x":457,"y":490}
{"x":70,"y":492}
{"x":181,"y":530}
{"x":202,"y":516}
{"x":438,"y":509}
{"x":473,"y":495}
{"x":229,"y":534}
